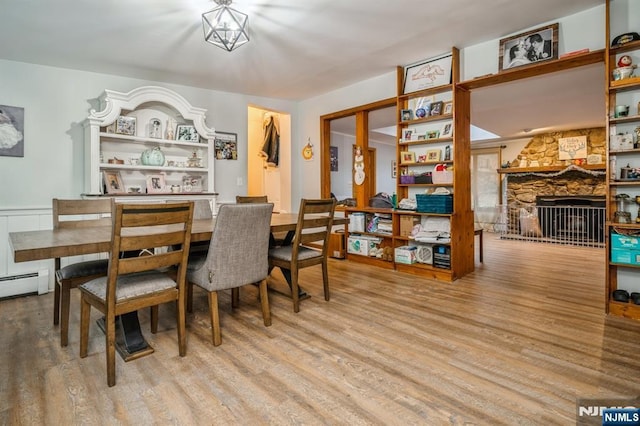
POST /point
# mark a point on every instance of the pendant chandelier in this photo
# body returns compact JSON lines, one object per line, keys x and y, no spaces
{"x":225,"y":27}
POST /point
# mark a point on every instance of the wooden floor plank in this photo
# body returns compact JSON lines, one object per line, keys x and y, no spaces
{"x":517,"y":341}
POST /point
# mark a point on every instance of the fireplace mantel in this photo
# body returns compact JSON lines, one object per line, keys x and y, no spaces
{"x":552,"y":169}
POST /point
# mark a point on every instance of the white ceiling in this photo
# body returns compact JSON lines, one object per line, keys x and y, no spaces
{"x":298,"y":48}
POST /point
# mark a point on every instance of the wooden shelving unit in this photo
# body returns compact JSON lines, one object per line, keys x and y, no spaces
{"x":619,"y":275}
{"x":460,"y":246}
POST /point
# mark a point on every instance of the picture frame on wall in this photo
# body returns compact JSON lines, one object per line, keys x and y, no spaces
{"x":113,"y":182}
{"x":427,"y":74}
{"x":226,"y":146}
{"x":126,"y":125}
{"x":531,"y":47}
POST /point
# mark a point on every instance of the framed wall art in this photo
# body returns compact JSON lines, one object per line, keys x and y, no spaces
{"x":529,"y":47}
{"x":11,"y":131}
{"x":427,"y":74}
{"x":226,"y":146}
{"x":333,"y":157}
{"x":113,"y":182}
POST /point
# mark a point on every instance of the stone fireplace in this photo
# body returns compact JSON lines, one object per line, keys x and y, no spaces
{"x":567,"y":195}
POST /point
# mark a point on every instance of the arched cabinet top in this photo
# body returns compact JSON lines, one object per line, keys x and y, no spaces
{"x":115,"y":102}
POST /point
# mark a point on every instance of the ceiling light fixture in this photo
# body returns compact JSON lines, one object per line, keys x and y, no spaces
{"x":225,"y":27}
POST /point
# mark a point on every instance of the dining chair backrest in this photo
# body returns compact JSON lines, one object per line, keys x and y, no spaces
{"x":251,"y":199}
{"x":239,"y":249}
{"x":202,"y":210}
{"x":315,"y":219}
{"x":149,"y":228}
{"x":81,"y":213}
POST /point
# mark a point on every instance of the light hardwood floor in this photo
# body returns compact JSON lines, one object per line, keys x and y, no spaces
{"x":515,"y":342}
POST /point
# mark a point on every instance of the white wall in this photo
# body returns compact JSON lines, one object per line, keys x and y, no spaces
{"x":56,"y":101}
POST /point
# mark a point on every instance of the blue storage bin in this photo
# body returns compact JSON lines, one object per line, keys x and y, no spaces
{"x":436,"y":203}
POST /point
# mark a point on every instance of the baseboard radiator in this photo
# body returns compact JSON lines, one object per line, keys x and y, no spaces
{"x":26,"y":283}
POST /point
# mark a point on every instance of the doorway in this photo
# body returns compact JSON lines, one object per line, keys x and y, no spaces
{"x":264,"y":177}
{"x":363,"y":126}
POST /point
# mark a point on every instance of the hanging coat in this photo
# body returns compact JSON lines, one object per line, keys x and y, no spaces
{"x":271,"y":146}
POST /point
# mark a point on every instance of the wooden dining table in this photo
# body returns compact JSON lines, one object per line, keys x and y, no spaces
{"x":53,"y":243}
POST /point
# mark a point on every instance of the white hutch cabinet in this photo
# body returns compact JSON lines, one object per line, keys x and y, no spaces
{"x":144,"y":119}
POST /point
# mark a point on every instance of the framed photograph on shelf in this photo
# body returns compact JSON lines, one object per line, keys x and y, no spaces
{"x":113,"y":182}
{"x":433,"y":134}
{"x":433,"y":155}
{"x":226,"y":146}
{"x":447,"y":107}
{"x":192,"y":183}
{"x":156,"y":184}
{"x":406,"y":115}
{"x":447,"y":130}
{"x":408,"y":134}
{"x":126,"y":125}
{"x":407,"y":157}
{"x":436,"y":108}
{"x":529,"y":47}
{"x":187,"y":133}
{"x":427,"y":74}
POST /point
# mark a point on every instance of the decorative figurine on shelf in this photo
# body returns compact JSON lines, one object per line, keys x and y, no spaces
{"x":171,"y":127}
{"x":625,"y":68}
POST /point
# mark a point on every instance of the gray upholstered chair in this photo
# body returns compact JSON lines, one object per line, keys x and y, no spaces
{"x":237,"y":256}
{"x":137,"y":282}
{"x":315,"y":219}
{"x":76,"y":214}
{"x":277,"y":239}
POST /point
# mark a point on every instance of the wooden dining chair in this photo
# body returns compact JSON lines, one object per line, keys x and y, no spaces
{"x":137,"y":282}
{"x":237,"y":256}
{"x":244,"y":199}
{"x":76,"y":214}
{"x":315,"y":219}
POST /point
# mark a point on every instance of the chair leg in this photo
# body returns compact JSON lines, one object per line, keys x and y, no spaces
{"x":154,"y":319}
{"x":235,"y":297}
{"x":181,"y":321}
{"x":65,"y":301}
{"x":294,"y":289}
{"x":56,"y":304}
{"x":85,"y":311}
{"x":110,"y":324}
{"x":215,"y":319}
{"x":325,"y":280}
{"x":264,"y":302}
{"x":189,"y":297}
